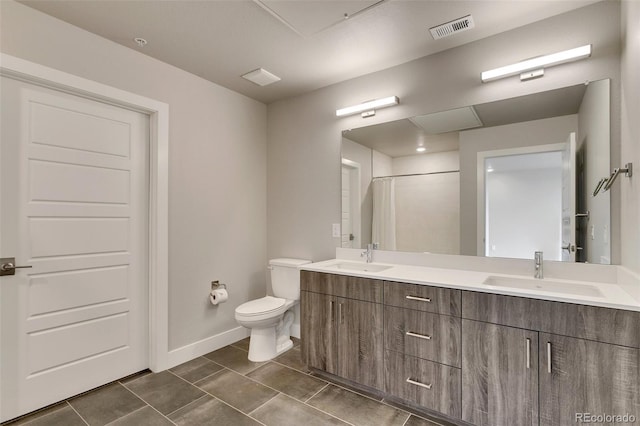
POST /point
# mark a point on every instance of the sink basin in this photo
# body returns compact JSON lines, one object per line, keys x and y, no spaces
{"x":544,"y":285}
{"x":360,"y":266}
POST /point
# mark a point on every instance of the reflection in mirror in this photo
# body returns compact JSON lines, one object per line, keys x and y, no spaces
{"x":502,"y":179}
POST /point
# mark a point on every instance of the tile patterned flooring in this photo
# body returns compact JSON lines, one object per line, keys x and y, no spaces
{"x":225,"y":388}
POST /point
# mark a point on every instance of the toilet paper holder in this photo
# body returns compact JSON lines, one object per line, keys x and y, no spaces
{"x":217,"y":284}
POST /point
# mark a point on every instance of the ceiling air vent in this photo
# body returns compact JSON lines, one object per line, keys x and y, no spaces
{"x":453,"y":27}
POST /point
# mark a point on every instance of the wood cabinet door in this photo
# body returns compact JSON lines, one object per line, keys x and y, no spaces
{"x":318,"y":315}
{"x":360,"y":344}
{"x":580,"y":377}
{"x":499,"y":375}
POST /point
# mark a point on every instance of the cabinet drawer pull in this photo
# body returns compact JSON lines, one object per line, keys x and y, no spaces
{"x":421,"y":336}
{"x":421,"y":299}
{"x":422,"y":385}
{"x":528,"y":353}
{"x":548,"y":357}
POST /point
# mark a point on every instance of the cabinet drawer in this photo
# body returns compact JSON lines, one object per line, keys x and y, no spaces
{"x":424,"y":383}
{"x":606,"y":325}
{"x":342,"y":285}
{"x":422,"y":334}
{"x":422,"y":298}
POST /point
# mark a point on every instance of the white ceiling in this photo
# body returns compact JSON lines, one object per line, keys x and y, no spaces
{"x":307,"y":43}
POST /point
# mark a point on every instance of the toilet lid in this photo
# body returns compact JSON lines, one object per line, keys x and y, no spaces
{"x":260,"y":306}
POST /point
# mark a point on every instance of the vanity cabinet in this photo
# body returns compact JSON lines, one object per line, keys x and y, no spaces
{"x":509,"y":358}
{"x":342,"y":326}
{"x":499,"y":375}
{"x":423,"y":383}
{"x":319,"y":346}
{"x":615,"y":326}
{"x":582,"y":376}
{"x":479,"y":358}
{"x":424,"y":335}
{"x":426,"y":298}
{"x":422,"y":346}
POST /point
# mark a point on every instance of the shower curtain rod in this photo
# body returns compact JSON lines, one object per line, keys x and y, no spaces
{"x":417,"y":174}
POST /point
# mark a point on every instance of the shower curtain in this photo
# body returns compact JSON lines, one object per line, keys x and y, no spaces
{"x":383,"y":227}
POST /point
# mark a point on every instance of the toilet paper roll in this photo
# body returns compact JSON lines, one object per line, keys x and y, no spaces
{"x":218,"y":296}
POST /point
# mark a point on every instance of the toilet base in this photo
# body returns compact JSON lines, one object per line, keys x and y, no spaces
{"x":268,"y":343}
{"x":284,"y":346}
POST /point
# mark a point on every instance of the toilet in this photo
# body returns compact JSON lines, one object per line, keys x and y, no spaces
{"x":270,"y":317}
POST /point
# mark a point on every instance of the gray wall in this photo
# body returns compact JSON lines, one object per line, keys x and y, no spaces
{"x":304,"y":134}
{"x":217,"y":165}
{"x":630,"y":133}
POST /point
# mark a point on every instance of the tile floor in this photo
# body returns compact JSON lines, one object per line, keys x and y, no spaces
{"x":225,"y":388}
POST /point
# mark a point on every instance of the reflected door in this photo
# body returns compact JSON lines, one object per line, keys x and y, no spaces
{"x":569,"y":200}
{"x":350,"y":226}
{"x":523,"y":202}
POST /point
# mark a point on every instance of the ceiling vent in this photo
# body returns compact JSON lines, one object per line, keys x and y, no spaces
{"x":453,"y":27}
{"x":261,"y":77}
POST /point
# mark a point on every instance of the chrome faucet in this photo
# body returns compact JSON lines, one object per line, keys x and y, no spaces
{"x":368,"y":253}
{"x":537,"y":257}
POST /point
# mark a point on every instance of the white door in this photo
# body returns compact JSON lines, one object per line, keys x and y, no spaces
{"x":350,"y":228}
{"x":73,"y":206}
{"x":520,"y":193}
{"x":345,"y":228}
{"x":569,"y":200}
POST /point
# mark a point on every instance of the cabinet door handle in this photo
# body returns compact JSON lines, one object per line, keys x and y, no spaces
{"x":422,"y":385}
{"x":528,"y":353}
{"x":421,"y":299}
{"x":340,"y":313}
{"x":331,"y":310}
{"x":418,"y":335}
{"x":548,"y":357}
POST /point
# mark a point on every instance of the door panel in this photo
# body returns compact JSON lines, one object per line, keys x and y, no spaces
{"x":78,"y":236}
{"x":84,"y":287}
{"x":51,"y":181}
{"x":318,"y":331}
{"x":60,"y":343}
{"x":74,"y":180}
{"x":608,"y":377}
{"x":360,"y":342}
{"x":499,"y":375}
{"x":62,"y":127}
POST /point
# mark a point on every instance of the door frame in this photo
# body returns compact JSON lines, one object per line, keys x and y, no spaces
{"x":158,"y":112}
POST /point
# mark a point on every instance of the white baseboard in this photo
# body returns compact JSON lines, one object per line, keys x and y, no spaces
{"x":204,"y":346}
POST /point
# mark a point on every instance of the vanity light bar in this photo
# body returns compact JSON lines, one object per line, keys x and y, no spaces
{"x":367,"y":106}
{"x":537,"y":63}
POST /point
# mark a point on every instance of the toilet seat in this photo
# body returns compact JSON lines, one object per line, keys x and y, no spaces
{"x":265,"y":307}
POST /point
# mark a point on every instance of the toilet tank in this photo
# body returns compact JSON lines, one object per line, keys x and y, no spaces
{"x":285,"y":277}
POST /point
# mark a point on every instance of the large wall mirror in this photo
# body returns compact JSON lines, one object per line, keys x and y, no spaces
{"x":502,"y":179}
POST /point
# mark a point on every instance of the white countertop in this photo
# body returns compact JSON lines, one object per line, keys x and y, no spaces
{"x":604,"y":294}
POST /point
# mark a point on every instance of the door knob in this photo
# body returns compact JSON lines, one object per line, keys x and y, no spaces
{"x":8,"y":266}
